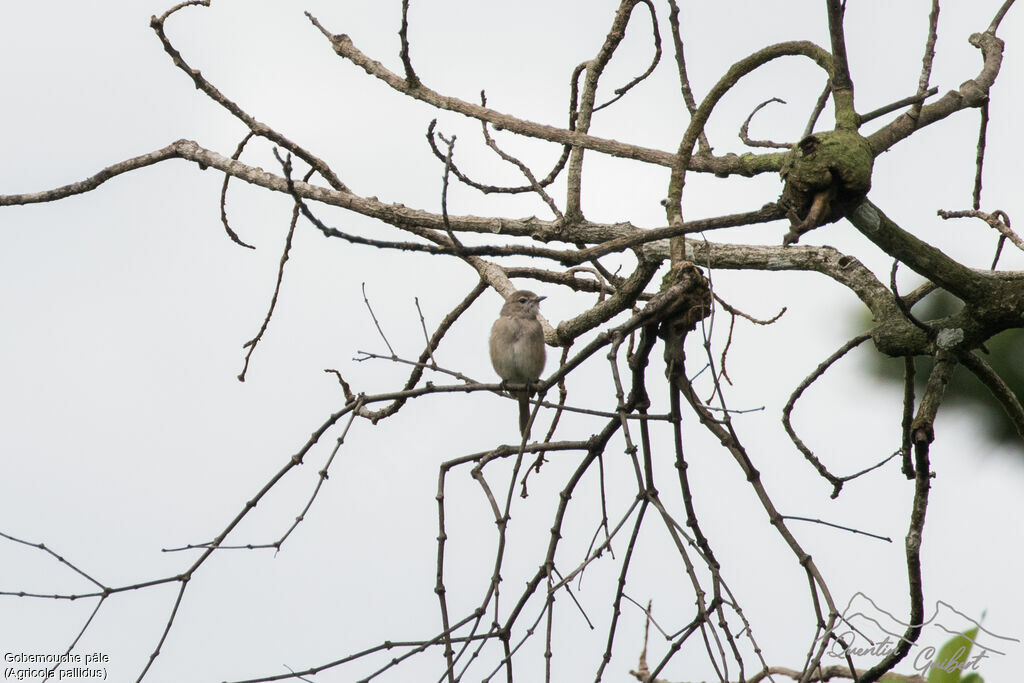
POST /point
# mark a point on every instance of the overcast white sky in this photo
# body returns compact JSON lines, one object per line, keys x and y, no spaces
{"x":123,"y":429}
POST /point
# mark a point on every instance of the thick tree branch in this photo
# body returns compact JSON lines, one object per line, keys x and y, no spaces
{"x":922,"y":257}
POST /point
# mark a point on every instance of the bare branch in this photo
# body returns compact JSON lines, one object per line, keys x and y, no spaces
{"x":898,"y":104}
{"x":979,"y":163}
{"x":998,"y":18}
{"x":684,"y":80}
{"x":997,"y":220}
{"x":673,"y":201}
{"x":224,"y":195}
{"x":251,"y":344}
{"x":819,"y":106}
{"x":534,"y":184}
{"x":997,"y":386}
{"x":257,"y":127}
{"x":171,"y":151}
{"x":922,"y":433}
{"x":920,"y":256}
{"x":904,"y":308}
{"x":972,"y":93}
{"x":594,"y":68}
{"x":906,"y":448}
{"x":837,"y":482}
{"x":726,"y":165}
{"x":376,"y":323}
{"x":488,"y":189}
{"x":403,"y":34}
{"x":840,"y":526}
{"x":842,"y":84}
{"x":926,"y":61}
{"x":656,"y":41}
{"x":744,"y":129}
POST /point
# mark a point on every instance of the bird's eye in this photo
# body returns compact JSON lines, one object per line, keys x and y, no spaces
{"x":522,"y":299}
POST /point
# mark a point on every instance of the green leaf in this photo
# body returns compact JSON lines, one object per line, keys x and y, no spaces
{"x":972,"y":678}
{"x":951,"y":657}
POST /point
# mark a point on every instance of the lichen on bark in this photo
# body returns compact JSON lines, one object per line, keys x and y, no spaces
{"x":826,"y":175}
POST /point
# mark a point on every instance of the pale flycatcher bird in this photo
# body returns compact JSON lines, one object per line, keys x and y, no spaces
{"x":517,"y":346}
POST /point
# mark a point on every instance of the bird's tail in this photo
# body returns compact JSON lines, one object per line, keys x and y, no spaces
{"x":524,"y":411}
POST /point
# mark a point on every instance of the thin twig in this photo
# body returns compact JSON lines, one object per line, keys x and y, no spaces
{"x":444,"y":195}
{"x":497,"y":189}
{"x":922,"y":435}
{"x":403,"y":35}
{"x":837,"y":482}
{"x":257,"y":127}
{"x":423,"y":326}
{"x":704,"y":147}
{"x":901,"y":304}
{"x":998,"y":220}
{"x":898,"y":104}
{"x":745,"y":129}
{"x":224,"y":195}
{"x":383,"y":336}
{"x":523,"y":168}
{"x":286,"y":165}
{"x":819,"y":107}
{"x":926,"y":61}
{"x":839,"y":526}
{"x":980,"y":155}
{"x":656,"y":40}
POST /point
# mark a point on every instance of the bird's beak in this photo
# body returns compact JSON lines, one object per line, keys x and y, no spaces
{"x":541,"y":298}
